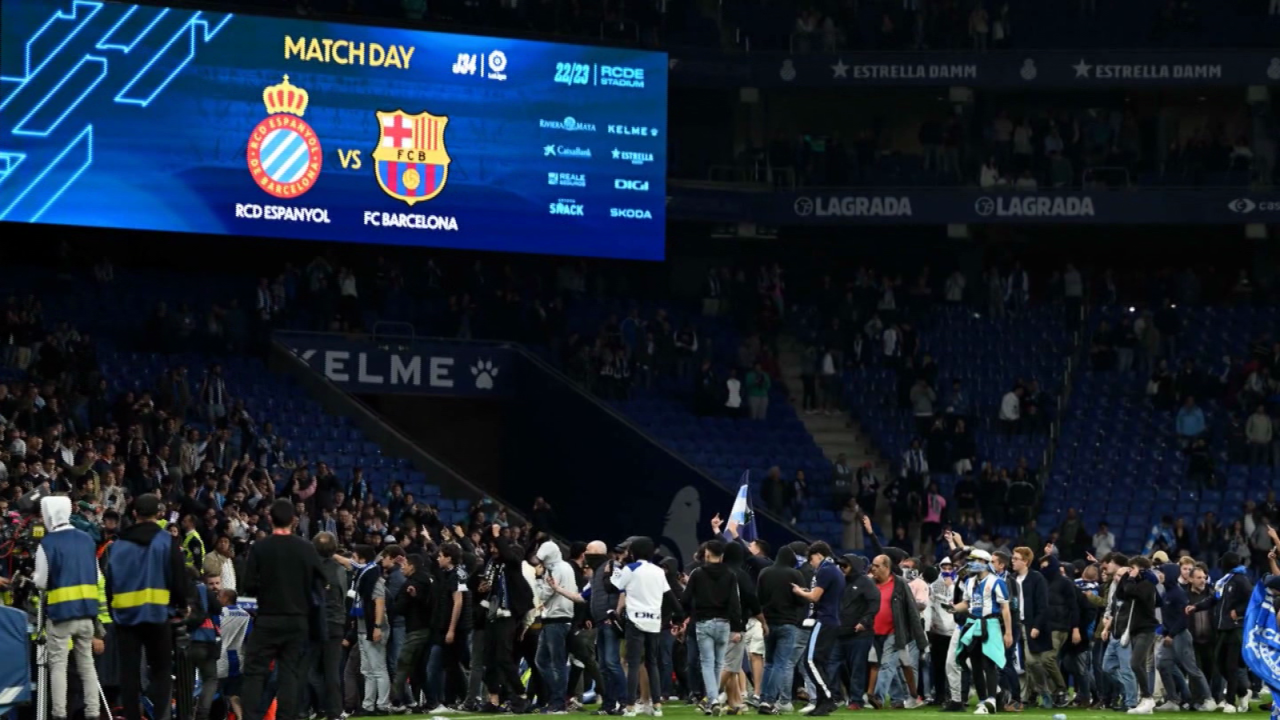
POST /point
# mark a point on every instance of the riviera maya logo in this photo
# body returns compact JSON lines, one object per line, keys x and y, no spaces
{"x":284,"y":152}
{"x":411,"y":161}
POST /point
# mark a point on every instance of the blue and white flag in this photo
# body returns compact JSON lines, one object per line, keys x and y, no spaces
{"x":1261,"y":639}
{"x":742,"y":517}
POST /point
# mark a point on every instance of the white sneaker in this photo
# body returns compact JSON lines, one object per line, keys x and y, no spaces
{"x":630,"y":712}
{"x":1207,"y":706}
{"x":985,"y":707}
{"x":786,"y":707}
{"x":1144,"y":707}
{"x":657,"y":712}
{"x":808,"y":709}
{"x":912,"y":703}
{"x":1244,"y":701}
{"x":1228,"y":708}
{"x":722,"y":699}
{"x":441,"y":710}
{"x":1168,"y":706}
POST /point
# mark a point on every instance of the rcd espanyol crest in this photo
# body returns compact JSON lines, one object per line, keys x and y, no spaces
{"x":284,"y":153}
{"x":411,"y":161}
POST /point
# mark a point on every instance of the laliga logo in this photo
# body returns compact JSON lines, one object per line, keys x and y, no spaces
{"x":804,"y":206}
{"x":284,"y":153}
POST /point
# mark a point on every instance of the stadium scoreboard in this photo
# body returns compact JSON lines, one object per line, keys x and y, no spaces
{"x":152,"y":118}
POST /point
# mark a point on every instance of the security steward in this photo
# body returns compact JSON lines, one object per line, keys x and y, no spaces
{"x":192,"y":543}
{"x":66,"y":566}
{"x":147,"y":587}
{"x":203,"y":623}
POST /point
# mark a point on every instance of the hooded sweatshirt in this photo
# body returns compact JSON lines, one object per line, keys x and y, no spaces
{"x":735,"y":557}
{"x":1140,"y":594}
{"x":779,"y":604}
{"x":56,"y":513}
{"x":712,"y":594}
{"x":556,"y":608}
{"x":1173,"y":603}
{"x":860,"y":601}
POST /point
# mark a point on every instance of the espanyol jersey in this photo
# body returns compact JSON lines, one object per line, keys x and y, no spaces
{"x":986,"y":595}
{"x":644,"y":584}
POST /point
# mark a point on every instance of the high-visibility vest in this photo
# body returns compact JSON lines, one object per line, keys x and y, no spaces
{"x":104,"y":612}
{"x":187,"y":552}
{"x":72,"y":591}
{"x":139,"y":577}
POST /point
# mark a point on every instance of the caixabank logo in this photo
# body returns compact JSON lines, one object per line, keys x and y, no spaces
{"x":284,"y":153}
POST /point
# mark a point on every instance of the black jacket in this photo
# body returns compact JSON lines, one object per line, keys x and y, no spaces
{"x":1173,"y":605}
{"x":415,"y":606}
{"x":735,"y":558}
{"x":1140,"y":593}
{"x":780,"y":605}
{"x":1235,"y":596}
{"x":1035,"y":612}
{"x":1064,"y":606}
{"x":859,"y":603}
{"x":712,"y":594}
{"x":282,"y":572}
{"x":519,"y":594}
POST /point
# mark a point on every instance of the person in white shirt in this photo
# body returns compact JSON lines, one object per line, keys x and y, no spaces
{"x":733,"y":400}
{"x":643,"y":586}
{"x":1011,"y":411}
{"x":1103,"y":541}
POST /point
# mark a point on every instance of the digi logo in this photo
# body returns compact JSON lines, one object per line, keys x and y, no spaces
{"x":631,"y":185}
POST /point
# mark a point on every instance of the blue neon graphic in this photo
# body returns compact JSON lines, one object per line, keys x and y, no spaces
{"x":85,"y":138}
{"x":101,"y":63}
{"x":104,"y":45}
{"x":9,"y":161}
{"x":190,"y":31}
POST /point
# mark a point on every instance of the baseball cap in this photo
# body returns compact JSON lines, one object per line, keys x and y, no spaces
{"x":622,"y":546}
{"x":979,"y":555}
{"x":945,"y":561}
{"x":1159,"y":557}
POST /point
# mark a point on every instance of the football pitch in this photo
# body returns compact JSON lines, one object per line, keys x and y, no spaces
{"x":683,"y":711}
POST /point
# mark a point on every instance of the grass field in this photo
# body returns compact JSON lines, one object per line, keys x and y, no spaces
{"x":683,"y":711}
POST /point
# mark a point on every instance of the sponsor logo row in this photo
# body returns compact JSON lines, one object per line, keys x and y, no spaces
{"x":1029,"y":71}
{"x":585,"y":153}
{"x":573,"y":125}
{"x":579,"y":180}
{"x":569,"y":207}
{"x":987,"y":206}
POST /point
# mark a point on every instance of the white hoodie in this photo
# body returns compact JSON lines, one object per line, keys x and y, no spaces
{"x":554,"y":605}
{"x":56,"y":513}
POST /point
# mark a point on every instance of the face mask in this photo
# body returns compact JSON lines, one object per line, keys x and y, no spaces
{"x":595,"y":560}
{"x":949,"y":575}
{"x":976,"y":567}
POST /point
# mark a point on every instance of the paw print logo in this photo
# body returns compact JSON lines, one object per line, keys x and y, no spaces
{"x":484,"y":371}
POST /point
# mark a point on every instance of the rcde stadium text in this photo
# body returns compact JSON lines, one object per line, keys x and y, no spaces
{"x":252,"y":211}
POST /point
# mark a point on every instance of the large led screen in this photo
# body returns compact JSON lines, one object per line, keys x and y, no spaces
{"x":152,"y":118}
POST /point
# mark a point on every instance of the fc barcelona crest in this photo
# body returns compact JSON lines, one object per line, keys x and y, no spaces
{"x":411,"y":161}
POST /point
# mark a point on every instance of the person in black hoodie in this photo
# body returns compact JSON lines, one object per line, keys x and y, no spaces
{"x":783,"y":613}
{"x":1138,"y":587}
{"x":712,"y":601}
{"x":752,"y":644}
{"x":510,"y":599}
{"x":1064,"y":610}
{"x":1176,"y":651}
{"x":1228,"y":602}
{"x":413,"y":603}
{"x":858,"y":607}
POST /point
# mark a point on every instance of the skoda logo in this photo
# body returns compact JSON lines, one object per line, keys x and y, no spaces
{"x":984,"y":206}
{"x":1243,"y":206}
{"x":804,"y":206}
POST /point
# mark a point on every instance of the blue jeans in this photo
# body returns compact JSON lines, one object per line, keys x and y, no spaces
{"x":779,"y":661}
{"x":851,"y":652}
{"x":801,"y":649}
{"x":693,"y":665}
{"x":396,"y":642}
{"x":435,"y":675}
{"x":1115,"y":663}
{"x":713,"y":640}
{"x":609,"y":657}
{"x":890,"y":681}
{"x":553,"y":654}
{"x":666,"y":663}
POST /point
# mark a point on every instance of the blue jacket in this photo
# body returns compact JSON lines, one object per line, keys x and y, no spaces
{"x":1173,"y":605}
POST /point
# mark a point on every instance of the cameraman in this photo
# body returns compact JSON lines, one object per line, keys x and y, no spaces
{"x":146,"y":586}
{"x":67,"y":566}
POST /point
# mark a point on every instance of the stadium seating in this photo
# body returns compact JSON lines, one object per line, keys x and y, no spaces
{"x":1116,"y":443}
